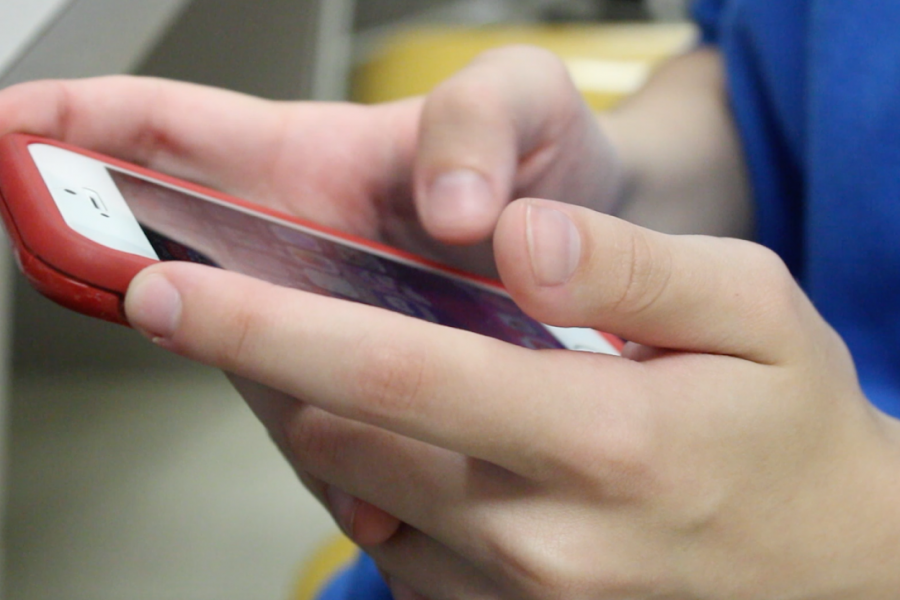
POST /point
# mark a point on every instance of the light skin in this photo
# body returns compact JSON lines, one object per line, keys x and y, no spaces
{"x":729,"y":454}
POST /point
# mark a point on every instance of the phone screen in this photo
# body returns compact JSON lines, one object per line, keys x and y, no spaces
{"x":188,"y":227}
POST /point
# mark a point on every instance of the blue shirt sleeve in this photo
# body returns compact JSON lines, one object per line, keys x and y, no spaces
{"x":359,"y":581}
{"x":708,"y":15}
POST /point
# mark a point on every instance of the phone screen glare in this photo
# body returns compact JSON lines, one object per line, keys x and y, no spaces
{"x":183,"y":226}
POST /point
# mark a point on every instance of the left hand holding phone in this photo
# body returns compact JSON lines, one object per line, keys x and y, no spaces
{"x":429,"y":175}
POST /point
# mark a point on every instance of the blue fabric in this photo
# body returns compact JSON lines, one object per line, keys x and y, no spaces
{"x":359,"y":581}
{"x":815,"y":88}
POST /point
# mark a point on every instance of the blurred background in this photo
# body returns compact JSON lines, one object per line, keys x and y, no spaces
{"x":130,"y":473}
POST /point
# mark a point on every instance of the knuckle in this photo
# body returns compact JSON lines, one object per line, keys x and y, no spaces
{"x":484,"y":86}
{"x":390,"y":378}
{"x":541,"y":70}
{"x":630,"y":469}
{"x":646,"y":269}
{"x":249,"y":328}
{"x":769,"y":280}
{"x":620,"y":465}
{"x":555,"y":561}
{"x":311,"y":439}
{"x":463,"y":96}
{"x":767,"y":265}
{"x":529,"y":565}
{"x":245,"y":325}
{"x":528,"y":56}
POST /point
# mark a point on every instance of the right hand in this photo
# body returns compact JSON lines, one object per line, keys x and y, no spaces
{"x":430,"y":175}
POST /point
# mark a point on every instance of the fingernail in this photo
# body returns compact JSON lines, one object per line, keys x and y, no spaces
{"x":373,"y":526}
{"x":153,"y":305}
{"x":554,"y":245}
{"x":343,"y":508}
{"x":458,"y":196}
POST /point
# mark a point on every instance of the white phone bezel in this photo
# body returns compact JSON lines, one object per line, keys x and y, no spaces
{"x":89,"y":201}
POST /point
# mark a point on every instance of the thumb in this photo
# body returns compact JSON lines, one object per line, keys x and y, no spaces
{"x":570,"y":266}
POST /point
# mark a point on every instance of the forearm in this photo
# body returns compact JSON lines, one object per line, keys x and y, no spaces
{"x":682,"y":168}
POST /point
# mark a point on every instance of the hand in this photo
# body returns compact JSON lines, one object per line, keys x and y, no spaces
{"x":428,"y":175}
{"x":729,"y":454}
{"x":510,"y":124}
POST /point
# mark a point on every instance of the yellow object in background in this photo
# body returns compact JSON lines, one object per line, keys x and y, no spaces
{"x":324,"y":565}
{"x":607,"y":62}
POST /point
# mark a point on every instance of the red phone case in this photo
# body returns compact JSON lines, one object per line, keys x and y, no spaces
{"x":80,"y":274}
{"x":60,"y":263}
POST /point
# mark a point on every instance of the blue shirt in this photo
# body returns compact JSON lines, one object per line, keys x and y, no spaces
{"x":815,"y":91}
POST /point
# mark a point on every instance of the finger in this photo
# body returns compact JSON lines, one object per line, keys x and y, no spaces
{"x":418,"y":563}
{"x":369,"y":477}
{"x":183,"y":129}
{"x":360,"y":467}
{"x":364,"y":523}
{"x":510,"y":121}
{"x":246,"y":146}
{"x":408,"y":376}
{"x":570,"y":266}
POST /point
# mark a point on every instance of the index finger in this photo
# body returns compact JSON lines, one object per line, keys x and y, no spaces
{"x":512,"y":120}
{"x":446,"y":387}
{"x":183,"y":129}
{"x":273,"y":152}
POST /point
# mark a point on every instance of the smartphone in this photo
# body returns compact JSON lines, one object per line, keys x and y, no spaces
{"x":82,"y":225}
